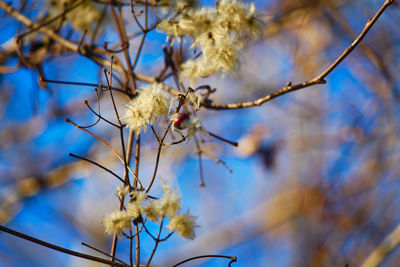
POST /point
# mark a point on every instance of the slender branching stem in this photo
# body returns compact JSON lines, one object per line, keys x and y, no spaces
{"x":232,"y":258}
{"x":58,"y":248}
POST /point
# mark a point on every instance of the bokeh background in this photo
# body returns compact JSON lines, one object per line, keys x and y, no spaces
{"x":315,"y":179}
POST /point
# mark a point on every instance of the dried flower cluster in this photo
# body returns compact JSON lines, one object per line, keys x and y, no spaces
{"x":151,"y":103}
{"x":156,"y":210}
{"x":219,"y":32}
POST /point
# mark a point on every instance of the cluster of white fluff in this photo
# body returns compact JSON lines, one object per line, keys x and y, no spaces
{"x":168,"y":206}
{"x":116,"y":222}
{"x":183,"y":224}
{"x":150,"y":103}
{"x":220,"y":33}
{"x":82,"y":17}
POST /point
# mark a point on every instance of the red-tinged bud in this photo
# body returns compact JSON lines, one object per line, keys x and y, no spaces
{"x":182,"y":121}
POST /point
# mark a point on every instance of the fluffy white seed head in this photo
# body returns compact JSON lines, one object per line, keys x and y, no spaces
{"x":166,"y":206}
{"x":116,"y":222}
{"x":219,"y":32}
{"x":134,"y":208}
{"x":183,"y":224}
{"x":170,"y":203}
{"x":151,"y":103}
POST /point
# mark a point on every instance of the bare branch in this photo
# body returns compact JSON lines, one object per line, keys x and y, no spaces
{"x":320,"y":79}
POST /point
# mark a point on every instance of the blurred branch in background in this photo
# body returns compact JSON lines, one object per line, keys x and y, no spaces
{"x":387,"y":245}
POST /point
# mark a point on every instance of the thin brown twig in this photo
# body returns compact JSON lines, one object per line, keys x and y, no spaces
{"x":167,"y":236}
{"x":97,"y":28}
{"x":202,"y":181}
{"x":116,"y":50}
{"x":100,"y":166}
{"x":160,"y":145}
{"x":85,"y":84}
{"x":157,"y":241}
{"x":22,"y":58}
{"x":135,"y":61}
{"x":98,"y":116}
{"x":126,"y":165}
{"x":223,"y":139}
{"x":58,"y":26}
{"x":367,"y":50}
{"x":137,"y":162}
{"x":211,"y":156}
{"x":130,"y":248}
{"x":121,"y":130}
{"x":232,"y":258}
{"x":145,"y":31}
{"x":135,"y":17}
{"x":60,"y":249}
{"x":149,"y":233}
{"x":118,"y":22}
{"x":100,"y":251}
{"x":155,"y":134}
{"x":106,"y":144}
{"x":137,"y":239}
{"x":319,"y":79}
{"x":137,"y":155}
